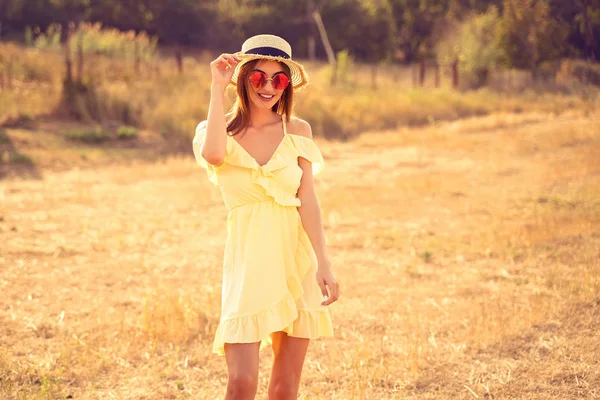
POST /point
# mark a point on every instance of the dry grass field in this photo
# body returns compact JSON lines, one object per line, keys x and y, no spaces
{"x":468,"y":254}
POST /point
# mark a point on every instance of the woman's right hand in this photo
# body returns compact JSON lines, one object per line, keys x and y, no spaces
{"x":222,"y":69}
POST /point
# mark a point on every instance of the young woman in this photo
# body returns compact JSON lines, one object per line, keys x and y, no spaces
{"x":277,"y":278}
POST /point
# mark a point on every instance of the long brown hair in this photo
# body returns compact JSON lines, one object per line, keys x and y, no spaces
{"x":241,"y":107}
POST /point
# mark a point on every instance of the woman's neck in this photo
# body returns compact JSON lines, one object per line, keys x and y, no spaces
{"x":262,"y":116}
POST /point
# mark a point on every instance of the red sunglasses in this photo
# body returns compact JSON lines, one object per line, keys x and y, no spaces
{"x":258,"y":79}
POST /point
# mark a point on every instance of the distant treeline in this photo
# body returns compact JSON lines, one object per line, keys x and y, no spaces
{"x":529,"y":32}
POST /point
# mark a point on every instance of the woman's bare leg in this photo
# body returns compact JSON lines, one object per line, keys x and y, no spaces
{"x":242,"y":365}
{"x":288,"y":359}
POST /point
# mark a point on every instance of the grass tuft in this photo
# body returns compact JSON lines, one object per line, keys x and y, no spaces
{"x":94,"y":136}
{"x":127,"y":133}
{"x":175,"y":318}
{"x":4,"y":138}
{"x":15,"y":158}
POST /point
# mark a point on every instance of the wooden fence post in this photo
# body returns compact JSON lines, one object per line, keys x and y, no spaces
{"x":80,"y":59}
{"x":9,"y":74}
{"x":179,"y":60}
{"x":415,"y":78}
{"x":455,"y":74}
{"x":327,"y":45}
{"x":374,"y":76}
{"x":136,"y":58}
{"x":68,"y":60}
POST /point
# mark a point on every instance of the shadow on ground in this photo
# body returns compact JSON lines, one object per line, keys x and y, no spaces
{"x":28,"y":147}
{"x":13,"y":161}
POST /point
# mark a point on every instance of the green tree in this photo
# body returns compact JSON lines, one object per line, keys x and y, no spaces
{"x":477,"y":45}
{"x":531,"y":35}
{"x":379,"y":31}
{"x":587,"y":20}
{"x":416,"y":23}
{"x":368,"y":29}
{"x":582,"y":17}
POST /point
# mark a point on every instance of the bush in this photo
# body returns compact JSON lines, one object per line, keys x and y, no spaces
{"x":14,"y":157}
{"x":4,"y":137}
{"x":99,"y":135}
{"x":586,"y":72}
{"x":19,"y":64}
{"x":49,"y":40}
{"x":476,"y":44}
{"x":96,"y":39}
{"x":94,"y":102}
{"x":569,"y":71}
{"x":127,"y":133}
{"x":95,"y":136}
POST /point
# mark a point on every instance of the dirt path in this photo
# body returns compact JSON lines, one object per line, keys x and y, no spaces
{"x":468,"y":254}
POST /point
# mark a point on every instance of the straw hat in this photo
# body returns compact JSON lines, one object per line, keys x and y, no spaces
{"x":271,"y":47}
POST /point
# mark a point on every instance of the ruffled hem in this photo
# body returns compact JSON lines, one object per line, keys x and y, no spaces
{"x":284,"y":315}
{"x":311,"y":324}
{"x":256,"y":327}
{"x":307,"y":324}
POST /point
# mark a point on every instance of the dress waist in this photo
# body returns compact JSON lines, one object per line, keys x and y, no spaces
{"x":253,"y":203}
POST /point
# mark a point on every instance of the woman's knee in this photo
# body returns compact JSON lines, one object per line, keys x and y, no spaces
{"x":284,"y":389}
{"x":242,"y":384}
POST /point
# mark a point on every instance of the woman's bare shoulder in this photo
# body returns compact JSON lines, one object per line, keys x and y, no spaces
{"x":299,"y":127}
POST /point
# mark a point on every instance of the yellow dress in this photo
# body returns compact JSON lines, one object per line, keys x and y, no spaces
{"x":269,"y":264}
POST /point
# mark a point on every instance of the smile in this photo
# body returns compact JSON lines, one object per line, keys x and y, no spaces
{"x":266,"y":96}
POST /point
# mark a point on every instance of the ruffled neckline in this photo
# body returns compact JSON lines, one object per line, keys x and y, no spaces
{"x":248,"y":159}
{"x":297,"y":145}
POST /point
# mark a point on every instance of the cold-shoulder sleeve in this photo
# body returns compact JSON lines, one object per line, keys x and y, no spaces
{"x":308,"y":149}
{"x":197,"y":147}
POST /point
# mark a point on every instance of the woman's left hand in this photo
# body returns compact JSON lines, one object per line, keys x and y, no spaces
{"x":330,"y":288}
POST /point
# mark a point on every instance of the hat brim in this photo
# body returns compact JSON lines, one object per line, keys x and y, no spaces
{"x":299,"y":77}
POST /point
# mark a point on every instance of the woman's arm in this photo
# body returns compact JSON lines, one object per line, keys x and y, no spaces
{"x":310,"y":215}
{"x":215,"y":142}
